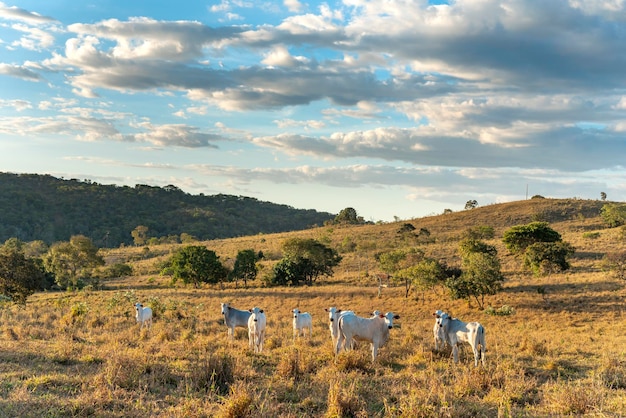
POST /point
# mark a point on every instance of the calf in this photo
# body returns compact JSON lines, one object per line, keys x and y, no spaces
{"x":374,"y":330}
{"x":301,"y":321}
{"x":457,"y":331}
{"x":143,"y":315}
{"x":234,"y":318}
{"x":256,"y":329}
{"x":438,"y":333}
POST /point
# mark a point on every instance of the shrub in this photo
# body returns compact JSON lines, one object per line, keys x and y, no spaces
{"x":504,"y":310}
{"x":548,"y":257}
{"x":613,"y":214}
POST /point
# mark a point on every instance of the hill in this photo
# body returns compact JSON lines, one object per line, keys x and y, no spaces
{"x":42,"y":207}
{"x":554,"y":348}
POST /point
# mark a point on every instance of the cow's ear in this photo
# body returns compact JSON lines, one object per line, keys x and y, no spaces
{"x":261,"y":310}
{"x":381,"y":315}
{"x":396,"y":317}
{"x":250,"y":310}
{"x":436,"y":316}
{"x":326,"y":309}
{"x":338,"y":310}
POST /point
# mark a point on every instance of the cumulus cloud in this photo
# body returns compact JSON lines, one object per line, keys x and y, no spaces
{"x":16,"y":13}
{"x":19,"y":72}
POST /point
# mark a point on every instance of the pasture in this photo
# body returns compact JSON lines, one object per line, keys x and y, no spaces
{"x":557,"y":349}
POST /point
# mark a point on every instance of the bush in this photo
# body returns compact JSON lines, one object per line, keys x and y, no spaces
{"x":520,"y":237}
{"x":548,"y":257}
{"x":505,"y":310}
{"x":613,"y":214}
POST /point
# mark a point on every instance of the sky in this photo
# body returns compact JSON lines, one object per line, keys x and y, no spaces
{"x":397,"y":108}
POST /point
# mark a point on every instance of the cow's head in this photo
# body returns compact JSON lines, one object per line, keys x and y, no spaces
{"x":389,"y":317}
{"x":295,"y":312}
{"x":442,"y":319}
{"x":225,"y":307}
{"x":255,"y":313}
{"x":332,"y":311}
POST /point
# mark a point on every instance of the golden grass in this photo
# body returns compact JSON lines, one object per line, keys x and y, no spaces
{"x":562,"y":352}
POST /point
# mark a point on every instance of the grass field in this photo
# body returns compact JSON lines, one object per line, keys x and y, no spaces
{"x":560,"y":351}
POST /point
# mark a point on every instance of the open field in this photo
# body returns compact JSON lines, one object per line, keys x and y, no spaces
{"x":562,"y":352}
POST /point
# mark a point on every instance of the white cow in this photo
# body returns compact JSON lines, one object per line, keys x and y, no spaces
{"x":374,"y":330}
{"x":143,"y":315}
{"x":438,"y":333}
{"x":256,"y":329}
{"x":234,"y":318}
{"x":457,"y":331}
{"x":301,"y":322}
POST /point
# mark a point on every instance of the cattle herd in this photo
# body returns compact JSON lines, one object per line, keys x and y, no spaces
{"x":346,"y":329}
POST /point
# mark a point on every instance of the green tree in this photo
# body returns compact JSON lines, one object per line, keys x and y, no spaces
{"x":393,"y":262}
{"x":481,"y":274}
{"x":140,"y":235}
{"x":20,"y":276}
{"x":603,"y":196}
{"x":614,"y":214}
{"x":72,"y":262}
{"x":518,"y":238}
{"x":304,"y":261}
{"x":196,"y":264}
{"x":548,"y":257}
{"x":245,"y":267}
{"x":424,"y":275}
{"x":348,"y":216}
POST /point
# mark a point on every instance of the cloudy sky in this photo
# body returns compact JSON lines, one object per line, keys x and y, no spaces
{"x":397,"y":108}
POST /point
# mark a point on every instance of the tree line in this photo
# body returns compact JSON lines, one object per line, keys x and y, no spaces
{"x":42,"y":207}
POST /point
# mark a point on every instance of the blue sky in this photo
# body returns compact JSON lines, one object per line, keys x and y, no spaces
{"x":399,"y":109}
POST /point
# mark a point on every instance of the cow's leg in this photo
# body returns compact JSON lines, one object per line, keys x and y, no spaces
{"x":374,"y":352}
{"x":455,"y":353}
{"x":340,"y":339}
{"x":476,"y":354}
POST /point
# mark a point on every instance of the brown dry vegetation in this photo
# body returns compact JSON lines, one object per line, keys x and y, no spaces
{"x":561,"y":353}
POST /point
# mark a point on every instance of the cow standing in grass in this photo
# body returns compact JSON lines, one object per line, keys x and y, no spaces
{"x":457,"y":331}
{"x":301,"y":321}
{"x":234,"y":318}
{"x":256,"y":329}
{"x":143,"y":315}
{"x":374,"y":330}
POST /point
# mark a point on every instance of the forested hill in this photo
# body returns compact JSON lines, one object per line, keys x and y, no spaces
{"x":42,"y":207}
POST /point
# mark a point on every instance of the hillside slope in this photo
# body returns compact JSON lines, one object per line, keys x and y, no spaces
{"x":42,"y":207}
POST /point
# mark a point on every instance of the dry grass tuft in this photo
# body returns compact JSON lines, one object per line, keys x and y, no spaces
{"x":344,"y":402}
{"x":213,"y":374}
{"x":354,"y":360}
{"x":613,"y":373}
{"x":239,"y":404}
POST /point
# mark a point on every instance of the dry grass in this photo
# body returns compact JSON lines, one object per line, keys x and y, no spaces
{"x":560,"y":353}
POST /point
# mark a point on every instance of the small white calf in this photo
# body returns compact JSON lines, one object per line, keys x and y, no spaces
{"x":143,"y":315}
{"x":374,"y":330}
{"x":234,"y":318}
{"x":256,"y":329}
{"x":438,"y":333}
{"x":457,"y":331}
{"x":301,"y":322}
